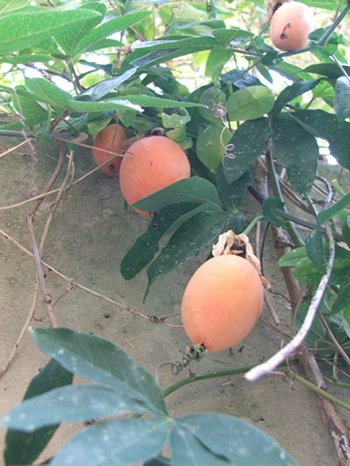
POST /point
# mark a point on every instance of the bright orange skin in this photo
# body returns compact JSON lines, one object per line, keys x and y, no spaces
{"x":222,"y":302}
{"x":110,"y":138}
{"x":151,"y":164}
{"x":301,"y":20}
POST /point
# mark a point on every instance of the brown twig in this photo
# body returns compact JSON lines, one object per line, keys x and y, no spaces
{"x":72,"y":284}
{"x":23,"y":331}
{"x":36,"y":292}
{"x":53,"y":177}
{"x":46,"y":297}
{"x":13,"y":149}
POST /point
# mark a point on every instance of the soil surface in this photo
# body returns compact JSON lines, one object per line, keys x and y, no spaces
{"x":88,"y":237}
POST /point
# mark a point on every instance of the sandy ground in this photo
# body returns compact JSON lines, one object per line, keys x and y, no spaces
{"x":88,"y":238}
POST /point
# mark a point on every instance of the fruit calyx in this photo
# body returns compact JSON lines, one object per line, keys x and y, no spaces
{"x":230,"y":243}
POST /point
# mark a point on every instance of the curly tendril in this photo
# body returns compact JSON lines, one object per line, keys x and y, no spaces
{"x":193,"y":353}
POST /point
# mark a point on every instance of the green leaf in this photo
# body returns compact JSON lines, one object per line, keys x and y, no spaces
{"x":157,"y":102}
{"x":47,"y":92}
{"x":233,"y":439}
{"x":187,"y":241}
{"x":250,"y":103}
{"x":307,"y":272}
{"x":211,"y":143}
{"x":326,"y":126}
{"x":315,"y":249}
{"x":102,"y":106}
{"x":269,"y":206}
{"x":327,"y":214}
{"x":291,"y":72}
{"x":8,"y":6}
{"x":147,"y":245}
{"x":342,"y":98}
{"x":331,"y":70}
{"x":346,"y":231}
{"x":232,"y":194}
{"x":249,"y":143}
{"x":343,"y":299}
{"x":188,"y":450}
{"x":158,"y":51}
{"x":94,"y":40}
{"x":32,"y":112}
{"x":237,"y":223}
{"x":297,"y":150}
{"x":120,"y":442}
{"x":24,"y":448}
{"x":71,"y":404}
{"x":176,"y":120}
{"x":322,"y":52}
{"x":195,"y":190}
{"x":216,"y":58}
{"x":19,"y":30}
{"x":291,"y":92}
{"x":240,"y":79}
{"x":293,"y":258}
{"x":104,"y":87}
{"x":72,"y":35}
{"x":101,"y":361}
{"x":327,"y":4}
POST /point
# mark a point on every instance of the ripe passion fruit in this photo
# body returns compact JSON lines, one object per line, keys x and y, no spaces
{"x":151,"y":164}
{"x":222,"y":302}
{"x":290,"y":26}
{"x":111,"y":138}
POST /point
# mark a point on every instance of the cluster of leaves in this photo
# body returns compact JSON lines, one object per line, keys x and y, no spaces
{"x":121,"y":387}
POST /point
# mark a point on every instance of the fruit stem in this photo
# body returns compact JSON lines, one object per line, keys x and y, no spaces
{"x":212,"y":375}
{"x":252,"y":224}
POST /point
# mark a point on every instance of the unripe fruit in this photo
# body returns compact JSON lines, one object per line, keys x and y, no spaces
{"x":151,"y":164}
{"x":222,"y":302}
{"x":290,"y":26}
{"x":111,"y":138}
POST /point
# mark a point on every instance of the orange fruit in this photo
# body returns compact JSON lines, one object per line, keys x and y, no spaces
{"x":111,"y":138}
{"x":290,"y":26}
{"x":222,"y":302}
{"x":151,"y":164}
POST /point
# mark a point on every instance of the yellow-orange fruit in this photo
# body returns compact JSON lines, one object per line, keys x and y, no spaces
{"x":110,"y":138}
{"x":290,"y":26}
{"x":152,"y":163}
{"x":222,"y":302}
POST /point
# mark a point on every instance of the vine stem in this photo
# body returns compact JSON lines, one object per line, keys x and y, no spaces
{"x":278,"y":193}
{"x":293,"y":345}
{"x":334,"y":25}
{"x":252,"y":224}
{"x":292,"y":375}
{"x":208,"y":375}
